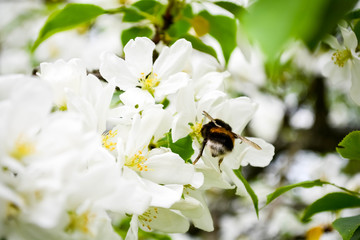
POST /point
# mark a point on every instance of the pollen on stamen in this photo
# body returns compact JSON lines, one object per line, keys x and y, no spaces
{"x":22,"y":148}
{"x":79,"y":222}
{"x":137,"y":162}
{"x":341,"y":56}
{"x":148,"y":217}
{"x":107,"y":140}
{"x":12,"y":211}
{"x":196,"y":130}
{"x":149,"y":82}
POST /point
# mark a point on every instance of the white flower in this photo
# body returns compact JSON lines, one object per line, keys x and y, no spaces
{"x":205,"y":74}
{"x":345,"y":64}
{"x":247,"y":70}
{"x":194,"y":206}
{"x":63,"y":77}
{"x":76,"y":91}
{"x":159,"y":164}
{"x":161,"y":171}
{"x":25,"y":105}
{"x":160,"y":78}
{"x":134,"y":101}
{"x":157,"y":218}
{"x":237,"y":113}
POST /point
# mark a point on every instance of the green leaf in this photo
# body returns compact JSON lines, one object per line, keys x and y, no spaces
{"x":356,"y":30}
{"x":349,"y":146}
{"x":182,"y":146}
{"x":273,"y":24}
{"x":356,"y":235}
{"x":200,"y":45}
{"x":132,"y":15}
{"x":179,"y":28}
{"x":331,"y":202}
{"x":250,"y":191}
{"x":231,"y":7}
{"x":331,"y":14}
{"x":151,"y":7}
{"x":351,"y":168}
{"x":353,"y":14}
{"x":347,"y":226}
{"x":133,"y":32}
{"x":69,"y":17}
{"x":284,"y":189}
{"x":187,"y":11}
{"x":305,"y":184}
{"x":145,"y":9}
{"x":223,"y":29}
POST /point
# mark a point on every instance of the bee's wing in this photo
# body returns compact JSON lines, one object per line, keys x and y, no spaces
{"x":211,"y":118}
{"x":244,"y":139}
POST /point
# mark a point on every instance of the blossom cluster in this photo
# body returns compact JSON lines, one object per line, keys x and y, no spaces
{"x":79,"y":154}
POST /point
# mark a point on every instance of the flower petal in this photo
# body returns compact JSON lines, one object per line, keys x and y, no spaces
{"x":332,"y":42}
{"x":139,"y":55}
{"x":258,"y":158}
{"x":212,"y":178}
{"x":186,"y":113}
{"x":171,"y":85}
{"x":172,"y":60}
{"x":162,"y":196}
{"x":204,"y":221}
{"x":350,"y":40}
{"x":210,"y":82}
{"x":137,"y":98}
{"x":115,"y":70}
{"x":355,"y":81}
{"x":132,"y":233}
{"x":168,"y":168}
{"x":128,"y":196}
{"x":154,"y":122}
{"x":168,"y":221}
{"x":236,"y":112}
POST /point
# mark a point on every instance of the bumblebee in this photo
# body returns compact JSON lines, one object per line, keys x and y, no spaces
{"x":219,"y":137}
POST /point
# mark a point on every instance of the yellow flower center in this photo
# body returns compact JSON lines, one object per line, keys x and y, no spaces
{"x":147,"y":217}
{"x":187,"y":188}
{"x":62,"y":107}
{"x":22,"y":148}
{"x":79,"y":222}
{"x":196,"y":130}
{"x":149,"y":82}
{"x":341,"y":56}
{"x":108,"y":140}
{"x":137,"y":162}
{"x":315,"y":233}
{"x":12,"y":211}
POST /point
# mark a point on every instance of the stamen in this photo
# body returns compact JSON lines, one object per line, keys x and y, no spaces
{"x":79,"y":222}
{"x":147,"y":217}
{"x":196,"y":130}
{"x":187,"y":188}
{"x":22,"y":148}
{"x":107,"y":140}
{"x":341,"y":56}
{"x":12,"y":211}
{"x":63,"y":107}
{"x":149,"y":82}
{"x":137,"y":162}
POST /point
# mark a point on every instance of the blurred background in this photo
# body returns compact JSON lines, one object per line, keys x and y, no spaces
{"x":302,"y":113}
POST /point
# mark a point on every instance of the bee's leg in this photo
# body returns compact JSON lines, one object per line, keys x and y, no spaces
{"x":220,"y":161}
{"x":201,"y":151}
